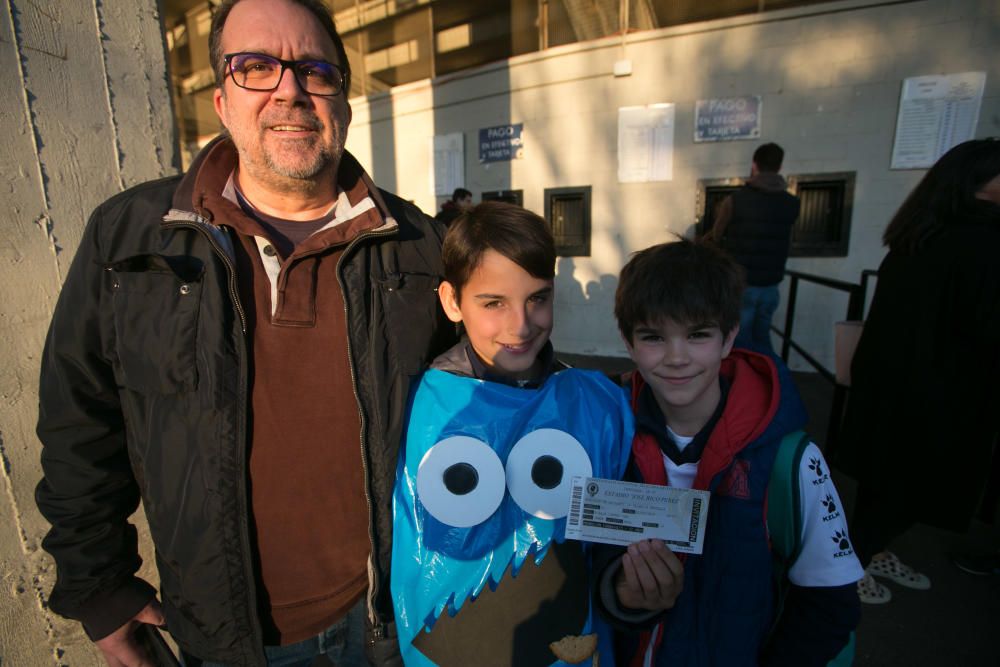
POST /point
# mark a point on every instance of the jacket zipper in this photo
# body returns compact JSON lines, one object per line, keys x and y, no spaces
{"x":378,"y":629}
{"x":201,"y":226}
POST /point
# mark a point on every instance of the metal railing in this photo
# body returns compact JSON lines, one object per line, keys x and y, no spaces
{"x":857,"y":297}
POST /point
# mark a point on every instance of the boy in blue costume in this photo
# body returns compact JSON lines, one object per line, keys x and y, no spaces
{"x":497,"y":428}
{"x":712,"y":417}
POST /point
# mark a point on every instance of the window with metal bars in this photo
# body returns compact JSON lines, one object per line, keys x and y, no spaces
{"x":567,"y":211}
{"x":824,"y":224}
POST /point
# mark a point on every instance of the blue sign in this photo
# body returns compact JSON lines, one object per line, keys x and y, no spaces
{"x":727,"y":119}
{"x":501,"y":143}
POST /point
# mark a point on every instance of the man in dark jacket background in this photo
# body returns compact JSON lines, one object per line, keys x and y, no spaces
{"x":755,"y":225}
{"x":234,"y":348}
{"x":460,"y":202}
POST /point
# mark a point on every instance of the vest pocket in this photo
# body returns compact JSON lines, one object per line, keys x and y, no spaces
{"x":156,"y":301}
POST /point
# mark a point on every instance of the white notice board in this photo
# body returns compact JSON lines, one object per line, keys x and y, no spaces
{"x":935,"y":113}
{"x":449,"y":163}
{"x":646,"y":143}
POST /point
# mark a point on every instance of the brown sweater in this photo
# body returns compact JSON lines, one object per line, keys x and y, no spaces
{"x":308,"y":504}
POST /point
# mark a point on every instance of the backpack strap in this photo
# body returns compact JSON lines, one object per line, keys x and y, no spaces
{"x":784,"y":526}
{"x":784,"y":511}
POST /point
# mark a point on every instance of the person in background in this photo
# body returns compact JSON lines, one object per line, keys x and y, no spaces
{"x":233,"y":347}
{"x":754,"y":224}
{"x":921,"y":419}
{"x":460,"y":202}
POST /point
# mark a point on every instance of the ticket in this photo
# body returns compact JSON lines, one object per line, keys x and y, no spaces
{"x":613,"y":512}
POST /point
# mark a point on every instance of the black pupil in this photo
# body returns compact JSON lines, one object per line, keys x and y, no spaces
{"x":547,"y":472}
{"x":461,"y":478}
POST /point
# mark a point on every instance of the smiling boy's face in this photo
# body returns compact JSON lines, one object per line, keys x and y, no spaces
{"x":681,"y":364}
{"x":507,"y":314}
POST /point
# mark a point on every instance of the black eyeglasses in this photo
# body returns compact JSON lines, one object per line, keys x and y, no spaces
{"x":257,"y":71}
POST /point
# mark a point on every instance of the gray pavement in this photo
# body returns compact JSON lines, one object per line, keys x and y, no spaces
{"x":957,"y":621}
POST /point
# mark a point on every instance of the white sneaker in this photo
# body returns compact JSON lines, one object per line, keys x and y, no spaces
{"x":872,"y":592}
{"x":890,"y":567}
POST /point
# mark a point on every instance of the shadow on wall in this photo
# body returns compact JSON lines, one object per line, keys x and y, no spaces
{"x":584,"y":313}
{"x":382,"y":140}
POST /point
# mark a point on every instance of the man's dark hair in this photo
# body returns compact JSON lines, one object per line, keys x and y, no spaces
{"x":689,"y":282}
{"x":316,"y":7}
{"x":769,"y":158}
{"x":460,"y":193}
{"x":516,"y":233}
{"x":945,"y":196}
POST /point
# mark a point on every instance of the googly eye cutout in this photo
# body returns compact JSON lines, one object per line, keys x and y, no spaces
{"x":541,"y":467}
{"x":460,"y":481}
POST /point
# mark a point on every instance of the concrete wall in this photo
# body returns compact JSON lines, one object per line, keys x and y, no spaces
{"x":830,"y":77}
{"x":86,"y":113}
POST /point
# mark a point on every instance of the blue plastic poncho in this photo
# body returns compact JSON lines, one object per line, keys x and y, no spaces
{"x":480,"y":499}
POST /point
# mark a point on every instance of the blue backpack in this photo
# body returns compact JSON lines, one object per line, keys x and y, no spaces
{"x":784,"y":523}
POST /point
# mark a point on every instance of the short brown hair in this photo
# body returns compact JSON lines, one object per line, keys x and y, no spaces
{"x":769,"y":157}
{"x":318,"y":9}
{"x":689,"y":282}
{"x":515,"y":232}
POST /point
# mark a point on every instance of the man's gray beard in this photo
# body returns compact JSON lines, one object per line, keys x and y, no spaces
{"x":305,"y":172}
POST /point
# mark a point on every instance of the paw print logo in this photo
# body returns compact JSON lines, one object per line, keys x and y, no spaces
{"x":829,"y":504}
{"x":840,"y":539}
{"x":816,"y":466}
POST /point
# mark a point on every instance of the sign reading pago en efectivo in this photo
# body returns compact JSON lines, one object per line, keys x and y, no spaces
{"x":727,"y":119}
{"x":501,"y":143}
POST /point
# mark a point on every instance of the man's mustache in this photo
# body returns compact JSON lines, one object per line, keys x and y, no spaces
{"x":308,"y":121}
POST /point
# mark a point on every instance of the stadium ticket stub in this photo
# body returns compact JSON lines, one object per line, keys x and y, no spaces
{"x":613,"y":512}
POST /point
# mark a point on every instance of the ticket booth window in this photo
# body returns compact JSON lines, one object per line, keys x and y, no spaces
{"x":567,"y":211}
{"x":824,"y":225}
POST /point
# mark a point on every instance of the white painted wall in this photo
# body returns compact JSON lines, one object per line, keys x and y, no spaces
{"x":830,"y":77}
{"x":86,"y":113}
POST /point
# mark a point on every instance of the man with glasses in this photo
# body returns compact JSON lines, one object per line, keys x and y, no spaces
{"x":233,"y":346}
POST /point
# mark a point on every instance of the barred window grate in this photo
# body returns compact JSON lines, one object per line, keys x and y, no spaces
{"x":567,"y":211}
{"x":824,"y":224}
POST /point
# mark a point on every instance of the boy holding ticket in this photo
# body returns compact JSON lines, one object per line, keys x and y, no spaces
{"x":496,"y":431}
{"x":712,"y":417}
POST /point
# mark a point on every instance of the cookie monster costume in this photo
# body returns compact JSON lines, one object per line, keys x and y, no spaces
{"x":481,"y":571}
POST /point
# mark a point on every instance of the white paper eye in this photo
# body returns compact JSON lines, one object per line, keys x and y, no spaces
{"x":541,"y":467}
{"x":460,"y":481}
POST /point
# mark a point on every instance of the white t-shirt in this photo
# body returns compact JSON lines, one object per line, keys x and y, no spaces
{"x":827,"y":557}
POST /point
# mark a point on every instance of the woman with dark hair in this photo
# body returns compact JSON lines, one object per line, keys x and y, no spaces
{"x":922,"y":420}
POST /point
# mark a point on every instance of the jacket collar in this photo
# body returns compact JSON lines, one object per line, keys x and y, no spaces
{"x":462,"y":360}
{"x":768,"y":182}
{"x":201,"y":189}
{"x":752,"y":403}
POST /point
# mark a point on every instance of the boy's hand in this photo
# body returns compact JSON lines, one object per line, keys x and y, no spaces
{"x":651,"y":576}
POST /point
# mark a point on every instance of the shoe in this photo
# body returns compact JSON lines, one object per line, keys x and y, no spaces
{"x":978,"y":564}
{"x":890,"y":567}
{"x":872,"y":592}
